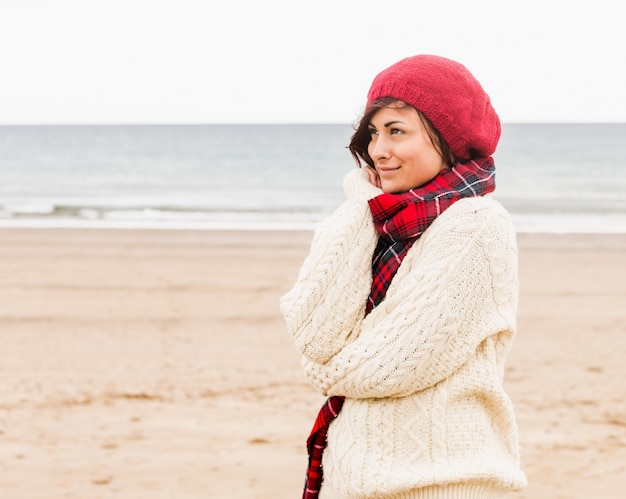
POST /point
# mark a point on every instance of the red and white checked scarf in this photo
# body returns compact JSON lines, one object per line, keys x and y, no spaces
{"x":400,"y":220}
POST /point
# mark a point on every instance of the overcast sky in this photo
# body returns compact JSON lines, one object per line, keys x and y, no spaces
{"x":289,"y":61}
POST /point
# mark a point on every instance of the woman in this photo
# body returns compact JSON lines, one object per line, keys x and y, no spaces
{"x":405,"y":308}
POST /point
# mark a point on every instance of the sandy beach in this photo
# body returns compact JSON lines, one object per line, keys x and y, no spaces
{"x":155,"y":364}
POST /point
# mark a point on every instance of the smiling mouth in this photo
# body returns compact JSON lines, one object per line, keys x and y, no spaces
{"x":386,"y":169}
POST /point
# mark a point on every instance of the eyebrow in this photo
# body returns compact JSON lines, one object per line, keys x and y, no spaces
{"x":388,"y":124}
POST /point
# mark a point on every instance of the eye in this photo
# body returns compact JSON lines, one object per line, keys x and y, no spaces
{"x":373,"y":130}
{"x":395,"y":131}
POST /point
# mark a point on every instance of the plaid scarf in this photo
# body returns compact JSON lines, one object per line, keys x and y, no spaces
{"x":316,"y":444}
{"x":399,"y":219}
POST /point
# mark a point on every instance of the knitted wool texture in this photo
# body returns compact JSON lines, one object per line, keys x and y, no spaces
{"x":422,"y":373}
{"x":399,"y":219}
{"x":449,"y":96}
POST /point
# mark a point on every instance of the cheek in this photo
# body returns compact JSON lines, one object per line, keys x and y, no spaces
{"x":430,"y":158}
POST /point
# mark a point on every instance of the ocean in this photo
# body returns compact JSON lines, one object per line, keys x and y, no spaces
{"x":555,"y":178}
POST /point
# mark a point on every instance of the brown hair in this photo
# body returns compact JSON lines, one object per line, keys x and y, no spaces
{"x":362,"y":136}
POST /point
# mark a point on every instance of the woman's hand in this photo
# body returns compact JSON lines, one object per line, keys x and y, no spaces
{"x":373,"y":176}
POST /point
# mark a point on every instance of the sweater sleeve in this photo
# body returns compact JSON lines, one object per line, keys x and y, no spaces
{"x":327,"y":302}
{"x":458,"y":287}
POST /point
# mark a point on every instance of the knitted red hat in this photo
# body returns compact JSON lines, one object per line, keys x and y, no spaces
{"x":449,"y":96}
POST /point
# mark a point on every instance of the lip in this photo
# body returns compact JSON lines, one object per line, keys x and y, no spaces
{"x":386,"y":170}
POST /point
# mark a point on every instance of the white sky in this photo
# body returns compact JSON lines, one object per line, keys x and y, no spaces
{"x":270,"y":61}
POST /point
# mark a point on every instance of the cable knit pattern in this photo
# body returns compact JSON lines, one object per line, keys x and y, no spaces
{"x":422,"y":373}
{"x":340,"y":267}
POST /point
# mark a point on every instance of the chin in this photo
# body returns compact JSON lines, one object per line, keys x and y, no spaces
{"x":392,"y":189}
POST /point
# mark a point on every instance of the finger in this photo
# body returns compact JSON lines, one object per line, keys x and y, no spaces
{"x":373,"y":176}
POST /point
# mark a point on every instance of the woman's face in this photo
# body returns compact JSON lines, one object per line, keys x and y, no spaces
{"x":403,"y":153}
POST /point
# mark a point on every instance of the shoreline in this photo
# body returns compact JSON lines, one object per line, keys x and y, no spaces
{"x":574,"y":225}
{"x":560,"y":238}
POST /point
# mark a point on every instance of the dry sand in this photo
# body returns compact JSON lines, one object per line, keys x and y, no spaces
{"x":155,"y":364}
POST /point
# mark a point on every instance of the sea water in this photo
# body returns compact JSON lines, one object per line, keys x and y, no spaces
{"x":551,"y":177}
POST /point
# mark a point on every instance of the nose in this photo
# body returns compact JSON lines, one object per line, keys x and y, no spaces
{"x":378,"y":148}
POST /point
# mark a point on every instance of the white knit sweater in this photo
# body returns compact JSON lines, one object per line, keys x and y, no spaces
{"x":425,"y":413}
